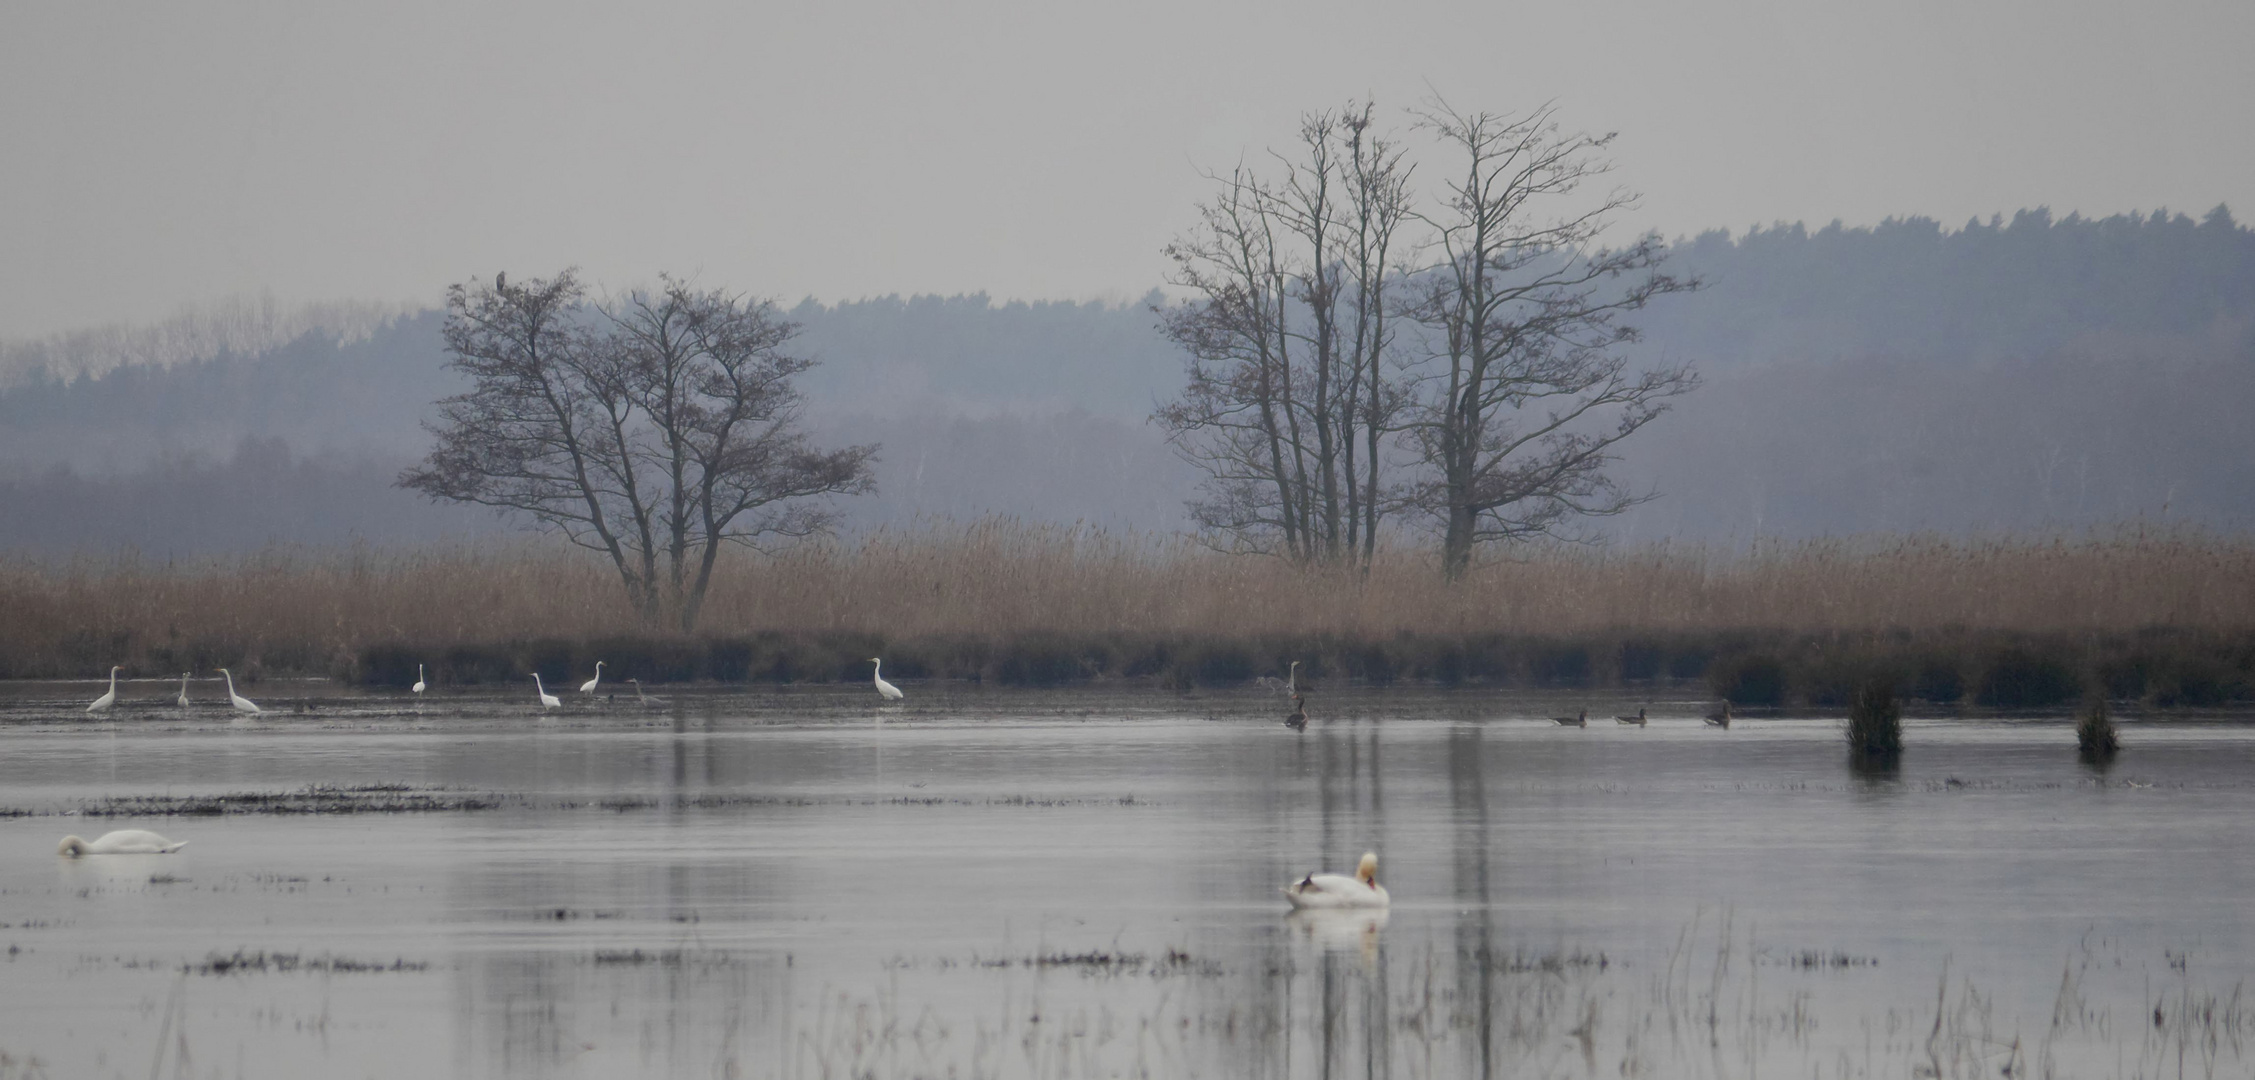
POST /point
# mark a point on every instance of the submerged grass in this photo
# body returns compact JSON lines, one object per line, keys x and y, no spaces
{"x":2167,"y":617}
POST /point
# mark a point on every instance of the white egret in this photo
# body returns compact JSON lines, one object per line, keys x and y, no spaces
{"x":885,"y":689}
{"x":420,"y":685}
{"x":1580,"y":719}
{"x":121,"y":842}
{"x":588,"y":687}
{"x":1638,"y":719}
{"x":183,"y":699}
{"x":103,"y":703}
{"x":242,"y":704}
{"x":547,"y":700}
{"x":1340,"y":891}
{"x":1289,"y":687}
{"x":645,"y":699}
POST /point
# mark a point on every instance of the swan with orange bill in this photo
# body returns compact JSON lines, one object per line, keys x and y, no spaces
{"x":1339,"y":890}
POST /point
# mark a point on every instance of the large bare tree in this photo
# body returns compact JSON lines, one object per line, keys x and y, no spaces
{"x":1357,"y":349}
{"x":1522,"y":390}
{"x":1289,"y":400}
{"x":655,"y":429}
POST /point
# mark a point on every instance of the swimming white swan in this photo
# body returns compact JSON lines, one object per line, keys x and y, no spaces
{"x":588,"y":687}
{"x":121,"y":842}
{"x":1340,"y":891}
{"x":102,"y":704}
{"x":885,"y":689}
{"x":242,"y":704}
{"x":420,"y":685}
{"x":547,"y":700}
{"x":183,"y":699}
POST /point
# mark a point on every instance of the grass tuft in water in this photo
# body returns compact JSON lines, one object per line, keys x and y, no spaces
{"x":1875,"y":722}
{"x":2094,"y":731}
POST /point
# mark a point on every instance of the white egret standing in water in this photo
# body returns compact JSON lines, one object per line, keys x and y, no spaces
{"x":102,"y":704}
{"x":242,"y":704}
{"x":645,"y":699}
{"x":885,"y":689}
{"x":588,"y":687}
{"x":547,"y":700}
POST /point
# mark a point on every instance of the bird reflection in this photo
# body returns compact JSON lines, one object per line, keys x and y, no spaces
{"x":1341,"y":930}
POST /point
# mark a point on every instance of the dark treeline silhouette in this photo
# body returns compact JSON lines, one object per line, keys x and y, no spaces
{"x":258,"y":495}
{"x":2029,"y":373}
{"x":2026,"y":287}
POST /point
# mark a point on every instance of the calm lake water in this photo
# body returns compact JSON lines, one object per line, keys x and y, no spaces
{"x":1086,"y":883}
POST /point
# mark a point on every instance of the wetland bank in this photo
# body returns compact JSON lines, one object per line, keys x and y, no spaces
{"x":1008,"y":882}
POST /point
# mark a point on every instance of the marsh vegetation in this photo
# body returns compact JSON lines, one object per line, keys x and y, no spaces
{"x":2160,"y":618}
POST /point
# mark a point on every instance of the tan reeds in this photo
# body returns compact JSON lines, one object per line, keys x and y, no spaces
{"x":316,"y":610}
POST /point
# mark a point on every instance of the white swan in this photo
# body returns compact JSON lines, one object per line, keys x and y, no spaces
{"x":547,"y":700}
{"x":121,"y":842}
{"x":102,"y":704}
{"x":885,"y":689}
{"x":645,"y":699}
{"x":420,"y":685}
{"x":242,"y":704}
{"x":183,"y":699}
{"x":1340,"y":891}
{"x":588,"y":687}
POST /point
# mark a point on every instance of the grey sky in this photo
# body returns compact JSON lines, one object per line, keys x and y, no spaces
{"x":158,"y":155}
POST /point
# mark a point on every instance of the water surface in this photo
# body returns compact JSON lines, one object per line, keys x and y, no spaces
{"x":1085,"y":883}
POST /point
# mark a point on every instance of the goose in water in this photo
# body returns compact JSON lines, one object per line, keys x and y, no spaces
{"x":1340,"y":891}
{"x":885,"y":689}
{"x":1298,"y":721}
{"x":547,"y":700}
{"x":122,"y":842}
{"x":645,"y":699}
{"x":1720,"y":719}
{"x":1580,"y":719}
{"x":242,"y":704}
{"x":183,"y":699}
{"x":103,"y":703}
{"x":420,"y":685}
{"x":1638,"y":719}
{"x":588,"y":687}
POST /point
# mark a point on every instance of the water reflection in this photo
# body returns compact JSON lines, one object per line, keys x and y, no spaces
{"x":716,"y":894}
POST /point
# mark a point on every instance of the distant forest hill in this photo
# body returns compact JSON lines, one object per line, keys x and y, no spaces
{"x":2035,"y":373}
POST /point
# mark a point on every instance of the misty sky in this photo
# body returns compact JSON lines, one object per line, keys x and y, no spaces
{"x":157,"y":155}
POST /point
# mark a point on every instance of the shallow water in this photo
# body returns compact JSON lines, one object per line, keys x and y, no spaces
{"x":1085,"y":883}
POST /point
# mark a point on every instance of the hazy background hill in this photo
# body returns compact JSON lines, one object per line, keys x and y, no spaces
{"x":2035,"y":373}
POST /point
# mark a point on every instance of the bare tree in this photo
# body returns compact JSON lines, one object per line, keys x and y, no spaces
{"x":654,"y":429}
{"x":1289,"y":396}
{"x":1523,"y":392}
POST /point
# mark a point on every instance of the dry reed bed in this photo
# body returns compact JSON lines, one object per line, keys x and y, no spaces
{"x":1040,"y":604}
